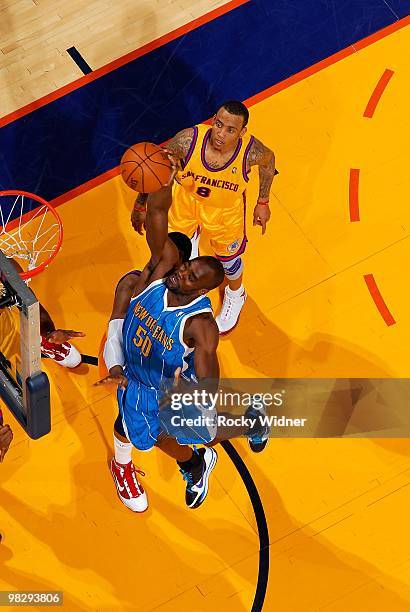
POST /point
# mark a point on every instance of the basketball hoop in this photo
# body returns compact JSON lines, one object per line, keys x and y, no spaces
{"x":31,"y":231}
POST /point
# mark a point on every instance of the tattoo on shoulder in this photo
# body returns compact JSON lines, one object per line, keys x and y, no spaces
{"x":259,"y":154}
{"x":181,"y":142}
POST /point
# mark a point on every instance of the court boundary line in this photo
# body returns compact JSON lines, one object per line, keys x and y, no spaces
{"x":121,"y":61}
{"x":329,"y":61}
{"x":299,"y":76}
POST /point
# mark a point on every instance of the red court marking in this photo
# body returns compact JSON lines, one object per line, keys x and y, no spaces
{"x":98,"y":180}
{"x":377,"y":93}
{"x":328,"y":61}
{"x":354,"y":194}
{"x":378,"y":300}
{"x":129,"y":57}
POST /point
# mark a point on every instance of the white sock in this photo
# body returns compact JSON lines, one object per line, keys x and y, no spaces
{"x":122,"y":451}
{"x":195,"y":245}
{"x":234,"y":292}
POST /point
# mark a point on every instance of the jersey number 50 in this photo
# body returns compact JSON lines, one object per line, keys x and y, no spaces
{"x":141,"y":340}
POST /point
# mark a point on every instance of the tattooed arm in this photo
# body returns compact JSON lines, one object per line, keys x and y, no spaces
{"x":177,"y":148}
{"x":179,"y":145}
{"x":261,"y":156}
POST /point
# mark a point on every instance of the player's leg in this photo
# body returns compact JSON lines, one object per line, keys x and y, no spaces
{"x":226,"y":228}
{"x":234,"y":294}
{"x":195,"y":467}
{"x":124,"y":473}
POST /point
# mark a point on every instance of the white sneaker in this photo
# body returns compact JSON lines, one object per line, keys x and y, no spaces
{"x":231,"y":309}
{"x":64,"y":354}
{"x":129,"y":490}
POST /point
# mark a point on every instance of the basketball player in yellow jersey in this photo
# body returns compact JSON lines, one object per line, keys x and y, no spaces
{"x":214,"y":165}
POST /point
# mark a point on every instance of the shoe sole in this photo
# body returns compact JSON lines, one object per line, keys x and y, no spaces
{"x":122,"y":501}
{"x":208,"y":471}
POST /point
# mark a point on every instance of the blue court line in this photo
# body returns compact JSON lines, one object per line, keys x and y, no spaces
{"x":83,"y":134}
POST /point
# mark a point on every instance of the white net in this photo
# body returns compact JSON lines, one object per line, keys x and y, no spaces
{"x":30,"y":231}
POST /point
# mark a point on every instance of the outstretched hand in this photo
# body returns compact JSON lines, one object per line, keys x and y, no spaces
{"x":175,"y":166}
{"x":59,"y":336}
{"x":118,"y":379}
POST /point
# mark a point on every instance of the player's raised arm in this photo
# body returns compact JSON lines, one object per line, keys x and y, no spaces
{"x":178,"y":147}
{"x":158,"y":205}
{"x":262,"y":156}
{"x":159,"y":202}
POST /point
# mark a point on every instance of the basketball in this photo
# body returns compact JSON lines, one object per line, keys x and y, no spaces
{"x":145,"y":167}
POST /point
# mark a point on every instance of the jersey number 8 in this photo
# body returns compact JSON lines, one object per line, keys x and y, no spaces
{"x":204,"y":192}
{"x":141,"y":340}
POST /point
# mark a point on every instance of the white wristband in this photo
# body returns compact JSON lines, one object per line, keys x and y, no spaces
{"x":113,"y":353}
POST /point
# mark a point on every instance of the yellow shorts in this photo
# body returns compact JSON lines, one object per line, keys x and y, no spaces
{"x":225,"y":226}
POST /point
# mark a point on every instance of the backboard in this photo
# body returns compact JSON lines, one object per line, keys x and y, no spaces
{"x":24,"y":388}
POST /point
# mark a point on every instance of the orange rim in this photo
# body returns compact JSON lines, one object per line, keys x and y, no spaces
{"x":49,"y":208}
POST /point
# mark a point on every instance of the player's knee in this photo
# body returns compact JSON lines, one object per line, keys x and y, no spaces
{"x":72,"y":359}
{"x":233,"y":268}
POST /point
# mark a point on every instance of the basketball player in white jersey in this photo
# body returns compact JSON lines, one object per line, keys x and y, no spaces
{"x":214,"y":164}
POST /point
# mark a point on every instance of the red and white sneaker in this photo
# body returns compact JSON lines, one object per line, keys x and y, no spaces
{"x":129,"y":490}
{"x":64,"y":354}
{"x":231,"y":309}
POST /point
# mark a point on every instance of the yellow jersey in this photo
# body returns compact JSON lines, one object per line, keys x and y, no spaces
{"x":217,"y":187}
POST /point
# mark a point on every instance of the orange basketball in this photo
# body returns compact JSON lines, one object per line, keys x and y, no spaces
{"x":145,"y":167}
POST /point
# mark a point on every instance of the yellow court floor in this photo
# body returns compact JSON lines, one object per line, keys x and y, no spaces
{"x":337,"y":510}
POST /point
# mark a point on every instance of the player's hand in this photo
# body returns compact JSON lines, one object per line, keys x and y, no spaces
{"x":115,"y":376}
{"x":138,"y":220}
{"x":59,"y":336}
{"x":117,"y":379}
{"x":175,"y":166}
{"x":6,"y":436}
{"x":261,"y":215}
